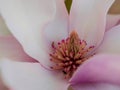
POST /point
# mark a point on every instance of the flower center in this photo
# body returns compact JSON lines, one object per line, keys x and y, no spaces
{"x":69,"y":54}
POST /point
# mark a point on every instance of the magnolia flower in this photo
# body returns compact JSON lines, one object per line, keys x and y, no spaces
{"x":80,"y":48}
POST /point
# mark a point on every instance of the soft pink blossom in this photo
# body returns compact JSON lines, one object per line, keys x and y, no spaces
{"x":37,"y":23}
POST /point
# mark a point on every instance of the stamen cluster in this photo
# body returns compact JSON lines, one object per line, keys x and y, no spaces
{"x":69,"y":54}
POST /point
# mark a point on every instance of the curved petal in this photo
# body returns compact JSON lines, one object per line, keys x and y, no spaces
{"x":96,"y":86}
{"x":111,"y":42}
{"x":27,"y":20}
{"x":3,"y":28}
{"x":57,"y":29}
{"x":10,"y":48}
{"x":30,"y":76}
{"x":88,"y":18}
{"x":112,"y":20}
{"x":102,"y":68}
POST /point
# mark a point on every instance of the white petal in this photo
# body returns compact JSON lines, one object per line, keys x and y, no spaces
{"x":3,"y":28}
{"x":112,"y":20}
{"x":10,"y":48}
{"x":111,"y":42}
{"x":88,"y":18}
{"x":30,"y":76}
{"x":57,"y":29}
{"x":27,"y":20}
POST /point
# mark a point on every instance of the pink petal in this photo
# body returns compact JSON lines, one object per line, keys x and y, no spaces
{"x":88,"y":18}
{"x":112,"y":20}
{"x":96,"y":86}
{"x":30,"y":76}
{"x":10,"y":48}
{"x":111,"y":42}
{"x":27,"y":20}
{"x":102,"y":68}
{"x":3,"y":28}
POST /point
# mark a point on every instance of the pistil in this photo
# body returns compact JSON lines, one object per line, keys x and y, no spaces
{"x":69,"y":54}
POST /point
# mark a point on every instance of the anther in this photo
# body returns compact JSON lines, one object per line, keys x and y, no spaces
{"x":69,"y":54}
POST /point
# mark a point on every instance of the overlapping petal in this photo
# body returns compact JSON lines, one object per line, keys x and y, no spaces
{"x":102,"y":68}
{"x":111,"y":42}
{"x":88,"y":17}
{"x":28,"y":21}
{"x":10,"y":48}
{"x":112,"y":20}
{"x":36,"y":23}
{"x":30,"y":76}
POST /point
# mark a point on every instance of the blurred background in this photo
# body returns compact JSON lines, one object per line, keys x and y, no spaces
{"x":115,"y":9}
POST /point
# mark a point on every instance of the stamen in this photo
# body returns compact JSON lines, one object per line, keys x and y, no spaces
{"x":69,"y":54}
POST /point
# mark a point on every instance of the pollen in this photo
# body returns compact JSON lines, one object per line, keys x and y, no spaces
{"x":69,"y":54}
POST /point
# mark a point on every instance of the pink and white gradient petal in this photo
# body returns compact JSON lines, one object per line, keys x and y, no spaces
{"x":89,"y":19}
{"x":28,"y":21}
{"x":102,"y":68}
{"x":30,"y":76}
{"x":10,"y":48}
{"x":112,"y":20}
{"x":111,"y":42}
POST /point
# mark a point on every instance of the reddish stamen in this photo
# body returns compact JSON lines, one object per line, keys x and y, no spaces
{"x":69,"y":54}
